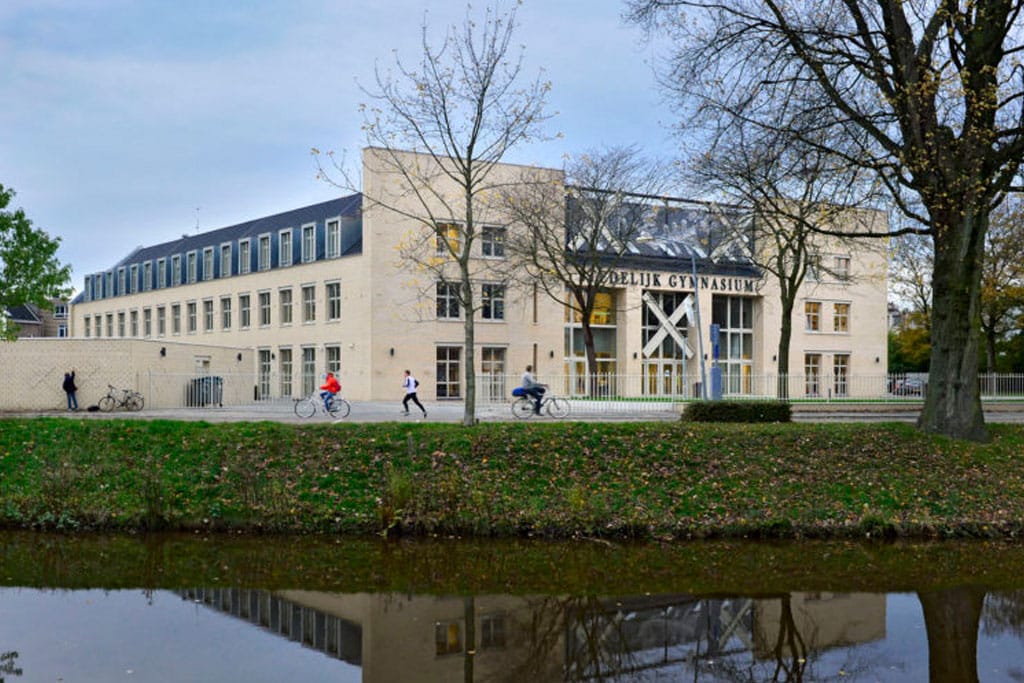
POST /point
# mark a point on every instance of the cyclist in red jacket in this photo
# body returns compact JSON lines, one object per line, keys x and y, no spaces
{"x":330,"y":388}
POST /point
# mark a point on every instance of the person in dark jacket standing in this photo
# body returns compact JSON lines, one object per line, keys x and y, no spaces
{"x":70,"y":389}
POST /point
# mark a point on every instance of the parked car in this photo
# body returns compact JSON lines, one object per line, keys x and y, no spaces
{"x":908,"y":386}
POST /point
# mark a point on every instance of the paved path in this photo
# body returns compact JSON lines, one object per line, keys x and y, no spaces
{"x":376,"y":411}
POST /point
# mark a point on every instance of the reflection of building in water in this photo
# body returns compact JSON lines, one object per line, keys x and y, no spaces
{"x":823,"y":620}
{"x":542,"y":638}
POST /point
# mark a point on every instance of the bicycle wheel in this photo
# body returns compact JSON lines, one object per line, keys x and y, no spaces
{"x":107,"y":403}
{"x":305,"y":408}
{"x":522,"y":407}
{"x":340,"y":408}
{"x":557,"y":407}
{"x":135,"y":402}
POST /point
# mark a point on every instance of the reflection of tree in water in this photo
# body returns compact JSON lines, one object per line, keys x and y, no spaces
{"x":8,"y":665}
{"x":1003,"y":614}
{"x":951,"y":618}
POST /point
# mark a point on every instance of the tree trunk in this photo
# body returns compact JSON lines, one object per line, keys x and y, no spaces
{"x":785,"y":335}
{"x":469,"y":413}
{"x":990,"y":348}
{"x":951,"y":618}
{"x":588,"y":344}
{"x":952,"y":404}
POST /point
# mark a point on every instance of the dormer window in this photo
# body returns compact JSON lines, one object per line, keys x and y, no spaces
{"x":308,"y":243}
{"x":264,"y":253}
{"x":333,"y":238}
{"x":284,"y":248}
{"x":244,"y":257}
{"x":208,"y":263}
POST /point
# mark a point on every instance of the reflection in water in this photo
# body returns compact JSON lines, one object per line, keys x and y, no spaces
{"x":547,"y":638}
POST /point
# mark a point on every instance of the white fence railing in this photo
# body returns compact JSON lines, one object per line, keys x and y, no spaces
{"x":602,"y":393}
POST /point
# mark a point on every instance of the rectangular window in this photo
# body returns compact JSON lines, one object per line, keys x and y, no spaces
{"x":175,"y":318}
{"x":190,"y":308}
{"x":60,"y":310}
{"x":284,"y":248}
{"x":308,"y":370}
{"x":492,"y":372}
{"x":133,"y":324}
{"x":225,"y":260}
{"x":225,"y":312}
{"x":147,"y":322}
{"x":208,"y":263}
{"x":244,"y":257}
{"x":447,"y":637}
{"x":812,"y":315}
{"x":492,"y":631}
{"x":192,"y":260}
{"x":841,"y":317}
{"x":161,"y":273}
{"x":110,"y":285}
{"x":285,"y":298}
{"x":841,"y":374}
{"x":447,"y":301}
{"x":492,"y":241}
{"x":264,"y":361}
{"x":812,"y":374}
{"x":492,"y":302}
{"x":110,"y":324}
{"x":448,"y":239}
{"x":333,"y":236}
{"x":120,"y":324}
{"x":285,"y":356}
{"x":121,"y":282}
{"x":264,"y":253}
{"x":133,"y":283}
{"x":309,"y":303}
{"x":161,"y":321}
{"x":264,"y":298}
{"x":147,"y":276}
{"x":333,"y":359}
{"x":88,"y":326}
{"x":333,"y":294}
{"x":308,"y":243}
{"x":243,"y":311}
{"x":842,"y":268}
{"x":208,"y":315}
{"x":176,"y":270}
{"x":449,"y":369}
{"x":62,"y":330}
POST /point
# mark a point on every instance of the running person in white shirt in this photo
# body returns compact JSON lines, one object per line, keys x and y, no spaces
{"x":409,"y":384}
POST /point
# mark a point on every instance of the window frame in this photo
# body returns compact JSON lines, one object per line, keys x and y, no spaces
{"x":244,"y":256}
{"x":308,"y":304}
{"x":812,"y":316}
{"x":492,"y":301}
{"x":332,"y":238}
{"x":446,"y":301}
{"x":308,"y":233}
{"x":333,"y":301}
{"x":284,"y":248}
{"x":489,"y":243}
{"x":264,"y":252}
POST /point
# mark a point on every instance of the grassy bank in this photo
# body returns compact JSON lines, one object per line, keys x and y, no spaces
{"x":649,"y":480}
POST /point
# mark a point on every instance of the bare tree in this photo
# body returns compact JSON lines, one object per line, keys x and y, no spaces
{"x":795,"y":204}
{"x":930,"y":97}
{"x":1002,"y":279}
{"x":910,"y":273}
{"x":575,"y":233}
{"x":438,"y":131}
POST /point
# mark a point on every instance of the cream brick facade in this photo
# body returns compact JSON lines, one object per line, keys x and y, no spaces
{"x":381,"y":316}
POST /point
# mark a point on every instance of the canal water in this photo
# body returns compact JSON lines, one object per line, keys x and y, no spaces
{"x":225,"y":608}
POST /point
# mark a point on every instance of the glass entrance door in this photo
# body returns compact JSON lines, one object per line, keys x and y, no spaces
{"x":665,"y":378}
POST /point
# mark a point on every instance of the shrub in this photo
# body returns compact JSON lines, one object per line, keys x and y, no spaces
{"x":738,"y":411}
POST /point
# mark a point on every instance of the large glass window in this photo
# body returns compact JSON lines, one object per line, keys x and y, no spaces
{"x":492,"y":302}
{"x":812,"y":316}
{"x":284,"y":298}
{"x":841,"y":374}
{"x":333,"y":230}
{"x":285,"y":356}
{"x":264,"y":253}
{"x":309,"y":303}
{"x":244,"y":311}
{"x":308,"y":243}
{"x":447,"y":301}
{"x":841,"y":317}
{"x":264,"y":308}
{"x":333,"y":293}
{"x":492,"y":372}
{"x":308,"y":370}
{"x":449,"y":368}
{"x":735,"y":317}
{"x":284,"y":248}
{"x":244,"y":257}
{"x":264,"y":364}
{"x":492,"y":241}
{"x":812,"y":374}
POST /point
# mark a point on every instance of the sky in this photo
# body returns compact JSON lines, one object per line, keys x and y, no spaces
{"x":131,"y":122}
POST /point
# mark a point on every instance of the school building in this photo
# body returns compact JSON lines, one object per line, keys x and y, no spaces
{"x":330,"y":287}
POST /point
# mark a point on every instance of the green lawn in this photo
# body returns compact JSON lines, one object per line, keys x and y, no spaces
{"x":644,"y":480}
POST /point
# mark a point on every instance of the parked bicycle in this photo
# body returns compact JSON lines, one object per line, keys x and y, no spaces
{"x":336,"y":407}
{"x":523,"y":406}
{"x":128,"y":399}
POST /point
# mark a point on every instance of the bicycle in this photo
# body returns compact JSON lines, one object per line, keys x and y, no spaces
{"x":128,"y":399}
{"x":524,"y":406}
{"x":337,"y":407}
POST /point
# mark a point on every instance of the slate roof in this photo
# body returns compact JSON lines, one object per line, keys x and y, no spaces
{"x":22,"y":314}
{"x":344,"y":206}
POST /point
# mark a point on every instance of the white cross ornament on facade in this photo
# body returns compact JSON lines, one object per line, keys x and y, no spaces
{"x":668,"y":325}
